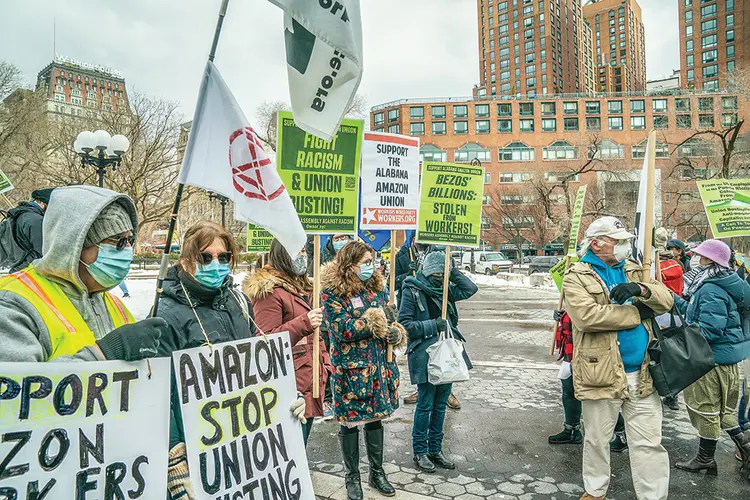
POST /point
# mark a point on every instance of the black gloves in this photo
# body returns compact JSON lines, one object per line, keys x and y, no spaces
{"x":557,"y":314}
{"x":643,"y":310}
{"x":412,"y":267}
{"x":441,"y":325}
{"x":391,"y":314}
{"x":133,"y":342}
{"x":624,"y":291}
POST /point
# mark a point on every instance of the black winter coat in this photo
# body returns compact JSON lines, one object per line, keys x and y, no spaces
{"x":28,"y":232}
{"x":404,"y":269}
{"x":418,"y":318}
{"x":220,"y":314}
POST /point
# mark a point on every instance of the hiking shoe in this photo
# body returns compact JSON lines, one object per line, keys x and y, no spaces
{"x":411,"y":399}
{"x":619,"y":442}
{"x":569,"y":435}
{"x":453,"y":402}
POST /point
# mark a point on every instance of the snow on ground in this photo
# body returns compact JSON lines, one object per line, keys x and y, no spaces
{"x":515,"y":280}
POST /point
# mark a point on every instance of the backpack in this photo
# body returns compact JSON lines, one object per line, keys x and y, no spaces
{"x":11,"y":252}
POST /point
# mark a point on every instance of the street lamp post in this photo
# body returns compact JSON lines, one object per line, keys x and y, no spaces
{"x":223,"y":202}
{"x":100,"y":150}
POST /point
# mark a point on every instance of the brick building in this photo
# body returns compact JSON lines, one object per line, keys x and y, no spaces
{"x":714,"y":41}
{"x":619,"y":41}
{"x":77,"y":89}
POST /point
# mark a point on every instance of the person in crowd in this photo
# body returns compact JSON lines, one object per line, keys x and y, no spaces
{"x":59,"y":308}
{"x":27,"y":226}
{"x":364,"y":383}
{"x":679,"y":253}
{"x":124,"y":289}
{"x":407,"y":261}
{"x":201,"y":307}
{"x":421,"y":314}
{"x":718,"y":300}
{"x":610,"y":305}
{"x":281,"y":294}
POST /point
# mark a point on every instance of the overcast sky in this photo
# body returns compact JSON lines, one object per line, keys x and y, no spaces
{"x":413,"y":48}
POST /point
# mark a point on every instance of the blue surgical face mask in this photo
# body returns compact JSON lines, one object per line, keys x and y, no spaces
{"x":212,"y":275}
{"x":111,"y":265}
{"x":338,"y":245}
{"x":365,"y":271}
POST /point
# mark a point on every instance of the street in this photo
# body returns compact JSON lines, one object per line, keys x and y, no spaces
{"x":499,"y":439}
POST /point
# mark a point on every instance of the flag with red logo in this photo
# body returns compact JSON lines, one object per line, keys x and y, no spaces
{"x":224,"y":155}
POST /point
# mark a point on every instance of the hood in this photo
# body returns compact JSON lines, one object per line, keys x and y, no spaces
{"x":25,"y":207}
{"x":331,"y":278}
{"x":261,"y":283}
{"x":736,"y":287}
{"x":419,"y":281}
{"x":68,"y":219}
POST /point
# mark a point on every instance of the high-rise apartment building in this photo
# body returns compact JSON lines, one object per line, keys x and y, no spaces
{"x":531,"y":47}
{"x":713,"y":41}
{"x":619,"y":42}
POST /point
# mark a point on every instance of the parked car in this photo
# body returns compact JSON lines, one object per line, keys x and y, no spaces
{"x":543,"y":264}
{"x":487,"y":262}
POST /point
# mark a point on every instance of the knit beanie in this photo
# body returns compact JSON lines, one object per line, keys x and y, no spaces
{"x":434,"y":263}
{"x":110,"y":222}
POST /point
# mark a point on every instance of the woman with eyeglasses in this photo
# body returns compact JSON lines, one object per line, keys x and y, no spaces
{"x":201,"y":305}
{"x":361,"y":324}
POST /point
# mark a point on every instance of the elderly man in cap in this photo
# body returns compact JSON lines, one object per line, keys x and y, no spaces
{"x":27,"y":227}
{"x":58,"y":308}
{"x":611,"y":303}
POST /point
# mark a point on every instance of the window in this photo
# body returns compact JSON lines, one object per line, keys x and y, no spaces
{"x":526,"y":109}
{"x":513,"y":199}
{"x":438,"y":112}
{"x":731,"y":66}
{"x":607,"y":149}
{"x":639,"y":150}
{"x":730,"y":51}
{"x":708,"y":11}
{"x":661,"y":121}
{"x":508,"y":177}
{"x":710,"y":71}
{"x":461,"y":127}
{"x":730,"y":36}
{"x":549,"y":124}
{"x":708,"y":26}
{"x":379,"y":117}
{"x":690,"y":75}
{"x":487,"y":177}
{"x":615,"y":122}
{"x":60,"y":97}
{"x":695,"y":173}
{"x":729,"y":102}
{"x":416,"y":128}
{"x":460,"y":111}
{"x":505,"y":126}
{"x":709,"y":41}
{"x":593,"y":123}
{"x":711,"y":85}
{"x":730,"y":20}
{"x":638,"y":122}
{"x":705,"y":121}
{"x":483,"y":126}
{"x":695,"y":148}
{"x":570,"y":108}
{"x":688,"y":16}
{"x":518,"y":222}
{"x":637,"y":106}
{"x":394,"y":129}
{"x":570,"y":124}
{"x":689,"y":30}
{"x":516,"y":151}
{"x":690,"y":60}
{"x":561,"y":177}
{"x":526,"y":125}
{"x":689,"y":45}
{"x":548,"y":108}
{"x":659,"y":105}
{"x":416,"y":113}
{"x":76,"y":100}
{"x":504,"y":110}
{"x":706,"y":104}
{"x":592,"y":107}
{"x":682,"y":105}
{"x":428,"y":152}
{"x":392,"y":115}
{"x":438,"y":128}
{"x":614,"y":107}
{"x":482,"y":110}
{"x":710,"y":56}
{"x":729,"y":5}
{"x":728,"y":119}
{"x":683,"y":121}
{"x":471,"y":152}
{"x":560,"y":150}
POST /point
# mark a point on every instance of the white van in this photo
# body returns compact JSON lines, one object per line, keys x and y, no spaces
{"x":486,"y":262}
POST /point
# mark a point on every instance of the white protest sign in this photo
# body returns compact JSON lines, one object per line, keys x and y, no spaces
{"x":93,"y":430}
{"x":242,"y":439}
{"x":390,"y":181}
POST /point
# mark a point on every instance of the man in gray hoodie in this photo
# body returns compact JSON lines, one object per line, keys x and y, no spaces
{"x":59,"y":308}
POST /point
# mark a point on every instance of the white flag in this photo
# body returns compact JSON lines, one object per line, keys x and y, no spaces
{"x":224,"y":155}
{"x":324,"y":60}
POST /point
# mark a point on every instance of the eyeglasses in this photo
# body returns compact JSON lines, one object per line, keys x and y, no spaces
{"x":122,"y":241}
{"x":223,"y":258}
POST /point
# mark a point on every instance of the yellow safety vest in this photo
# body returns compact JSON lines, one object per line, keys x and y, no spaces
{"x":68,"y":332}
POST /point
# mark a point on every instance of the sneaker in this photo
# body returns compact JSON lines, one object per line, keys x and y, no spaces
{"x":127,"y":295}
{"x":569,"y":435}
{"x":619,"y":442}
{"x":453,"y":402}
{"x":411,"y":399}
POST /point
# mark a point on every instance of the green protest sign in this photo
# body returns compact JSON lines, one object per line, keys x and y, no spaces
{"x":575,"y":221}
{"x":727,"y":204}
{"x":5,"y":184}
{"x":258,"y":239}
{"x":322,"y":177}
{"x":450,"y":204}
{"x":558,"y":271}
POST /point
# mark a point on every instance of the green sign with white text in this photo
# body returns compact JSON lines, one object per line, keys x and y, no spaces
{"x":258,"y":239}
{"x":450,"y":204}
{"x":575,"y":221}
{"x":322,"y":177}
{"x":727,"y":204}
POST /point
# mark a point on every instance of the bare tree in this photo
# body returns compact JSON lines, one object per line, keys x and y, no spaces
{"x":10,"y":78}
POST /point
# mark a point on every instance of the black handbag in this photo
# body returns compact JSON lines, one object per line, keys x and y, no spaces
{"x":679,"y":355}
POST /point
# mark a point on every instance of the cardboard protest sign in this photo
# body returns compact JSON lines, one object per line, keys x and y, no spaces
{"x":322,"y":177}
{"x":558,"y":271}
{"x":242,"y":439}
{"x":5,"y":184}
{"x":727,"y":204}
{"x":575,"y":222}
{"x":84,"y":430}
{"x":450,"y":204}
{"x":258,"y":239}
{"x":390,"y":181}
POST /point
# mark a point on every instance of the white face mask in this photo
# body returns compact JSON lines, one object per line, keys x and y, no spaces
{"x":620,"y":251}
{"x":695,"y":261}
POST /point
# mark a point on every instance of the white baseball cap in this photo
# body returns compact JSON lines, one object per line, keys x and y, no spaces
{"x":608,"y":226}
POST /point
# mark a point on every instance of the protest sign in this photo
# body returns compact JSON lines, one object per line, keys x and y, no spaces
{"x":242,"y":439}
{"x":575,"y":221}
{"x":84,"y":430}
{"x":558,"y":271}
{"x":727,"y":204}
{"x":390,"y":181}
{"x":322,"y":177}
{"x":450,"y":204}
{"x":376,"y":239}
{"x":5,"y":184}
{"x":258,"y":239}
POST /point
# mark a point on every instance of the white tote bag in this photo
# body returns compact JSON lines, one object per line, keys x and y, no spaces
{"x":446,"y":364}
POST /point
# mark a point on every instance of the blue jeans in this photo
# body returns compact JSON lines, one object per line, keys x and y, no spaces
{"x":429,"y":417}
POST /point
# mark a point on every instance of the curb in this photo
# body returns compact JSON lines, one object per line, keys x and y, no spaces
{"x":331,"y":487}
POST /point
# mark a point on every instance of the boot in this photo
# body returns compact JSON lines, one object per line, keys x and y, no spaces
{"x":441,"y":460}
{"x":619,"y":442}
{"x":350,"y":450}
{"x":742,"y":440}
{"x":423,"y":463}
{"x":671,"y":403}
{"x":703,"y":461}
{"x":411,"y":399}
{"x":378,"y":479}
{"x":569,"y":435}
{"x":453,"y":402}
{"x":586,"y":496}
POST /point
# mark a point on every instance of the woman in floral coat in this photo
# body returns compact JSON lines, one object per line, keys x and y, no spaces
{"x":365,"y":385}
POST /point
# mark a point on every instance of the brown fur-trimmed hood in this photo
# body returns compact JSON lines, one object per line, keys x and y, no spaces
{"x":348,"y":284}
{"x":261,"y":283}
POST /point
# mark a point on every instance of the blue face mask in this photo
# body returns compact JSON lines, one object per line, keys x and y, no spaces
{"x":338,"y":245}
{"x":212,"y":275}
{"x":111,"y":265}
{"x":365,"y":271}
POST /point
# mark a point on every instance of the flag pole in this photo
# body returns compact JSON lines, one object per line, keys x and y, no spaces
{"x":392,"y":285}
{"x":648,"y":232}
{"x":316,"y":305}
{"x":446,"y":281}
{"x":180,"y":187}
